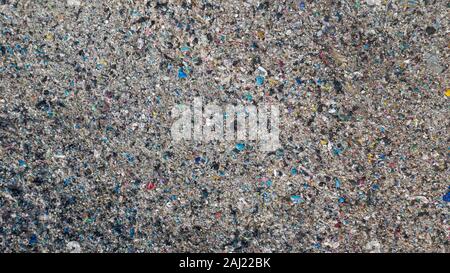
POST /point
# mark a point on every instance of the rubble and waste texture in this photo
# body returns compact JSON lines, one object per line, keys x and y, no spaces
{"x":88,"y":92}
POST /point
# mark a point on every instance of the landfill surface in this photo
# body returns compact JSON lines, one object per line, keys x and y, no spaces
{"x":88,"y":163}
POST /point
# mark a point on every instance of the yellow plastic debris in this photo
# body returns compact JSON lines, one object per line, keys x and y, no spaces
{"x":49,"y":37}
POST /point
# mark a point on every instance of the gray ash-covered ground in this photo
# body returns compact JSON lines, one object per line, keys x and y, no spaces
{"x":87,"y":162}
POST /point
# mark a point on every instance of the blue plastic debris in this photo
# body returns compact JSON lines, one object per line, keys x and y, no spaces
{"x":240,"y":146}
{"x":296,"y":199}
{"x":301,"y":5}
{"x":294,"y":171}
{"x":198,"y":159}
{"x":22,"y":163}
{"x":259,"y":80}
{"x":181,"y":73}
{"x":132,"y":232}
{"x":446,"y":197}
{"x":337,"y":183}
{"x":129,"y":157}
{"x":33,"y":240}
